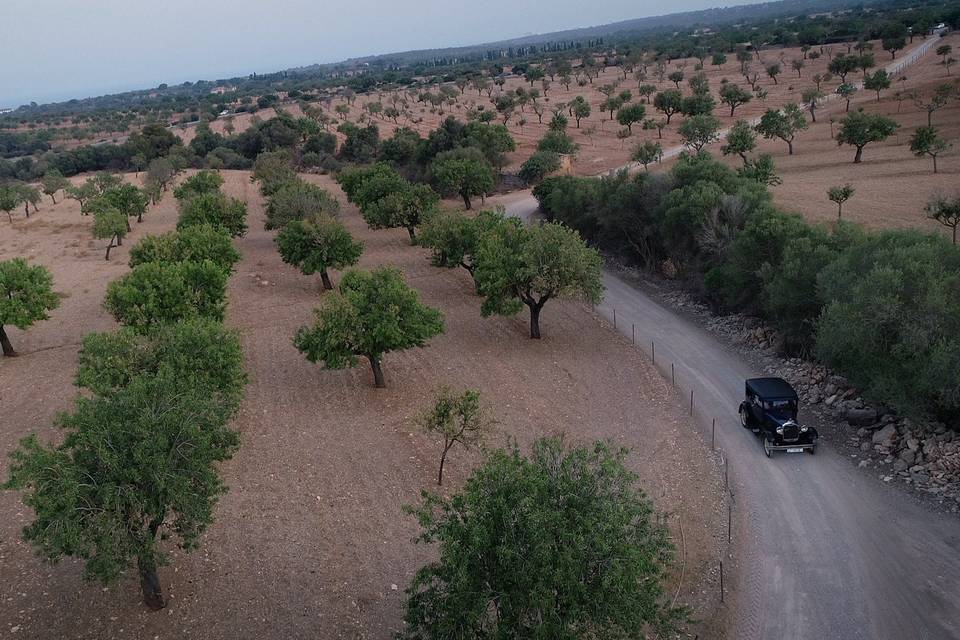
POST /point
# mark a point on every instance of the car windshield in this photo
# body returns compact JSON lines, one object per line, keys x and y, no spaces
{"x":778,"y":406}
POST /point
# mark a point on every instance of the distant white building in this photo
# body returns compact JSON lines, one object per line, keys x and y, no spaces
{"x":222,"y":89}
{"x":4,"y":110}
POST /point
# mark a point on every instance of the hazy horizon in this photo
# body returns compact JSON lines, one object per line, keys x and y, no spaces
{"x":61,"y":50}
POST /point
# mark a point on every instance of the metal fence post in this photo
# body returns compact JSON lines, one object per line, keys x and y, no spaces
{"x":614,"y":318}
{"x":691,"y":401}
{"x":713,"y":435}
{"x":673,"y":376}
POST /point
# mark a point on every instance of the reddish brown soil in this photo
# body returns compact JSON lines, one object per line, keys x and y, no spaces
{"x":311,"y":541}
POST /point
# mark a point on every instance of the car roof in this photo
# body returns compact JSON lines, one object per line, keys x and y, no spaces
{"x":771,"y":388}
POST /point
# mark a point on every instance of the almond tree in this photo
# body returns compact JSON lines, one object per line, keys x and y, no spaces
{"x":458,"y":419}
{"x":860,"y":129}
{"x":840,"y":195}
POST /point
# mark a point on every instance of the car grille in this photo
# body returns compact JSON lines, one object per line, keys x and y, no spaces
{"x":791,"y":431}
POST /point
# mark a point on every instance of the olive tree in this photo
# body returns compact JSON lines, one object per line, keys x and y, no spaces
{"x":458,"y":419}
{"x":464,"y":172}
{"x":26,"y":295}
{"x":927,"y":141}
{"x":373,"y":313}
{"x":316,"y":245}
{"x":517,"y":266}
{"x":699,"y":131}
{"x":782,"y":123}
{"x":10,"y":199}
{"x":859,"y":129}
{"x":740,"y":140}
{"x":877,"y":81}
{"x":404,"y":208}
{"x":560,"y":544}
{"x":668,"y":102}
{"x":453,"y":237}
{"x":733,"y":95}
{"x":109,"y":224}
{"x":646,"y":153}
{"x":52,"y":182}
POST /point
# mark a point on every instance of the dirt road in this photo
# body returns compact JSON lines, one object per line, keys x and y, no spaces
{"x":830,"y":552}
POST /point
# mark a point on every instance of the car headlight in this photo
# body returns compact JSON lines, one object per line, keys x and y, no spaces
{"x":780,"y":430}
{"x":803,"y":429}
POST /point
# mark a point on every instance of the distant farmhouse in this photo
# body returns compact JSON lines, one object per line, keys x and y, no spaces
{"x":222,"y":89}
{"x":4,"y":110}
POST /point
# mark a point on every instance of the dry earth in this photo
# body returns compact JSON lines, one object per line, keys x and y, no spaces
{"x":892,"y":185}
{"x":311,"y":541}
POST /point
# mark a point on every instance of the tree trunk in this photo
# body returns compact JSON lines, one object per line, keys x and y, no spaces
{"x":325,"y":279}
{"x":413,"y":235}
{"x":466,"y":200}
{"x":443,"y":458}
{"x":813,"y":113}
{"x":53,"y":197}
{"x":139,"y":218}
{"x":954,"y":242}
{"x":26,"y":208}
{"x":377,"y":373}
{"x":789,"y":147}
{"x":859,"y":155}
{"x":150,"y":584}
{"x":535,"y":321}
{"x":10,"y":353}
{"x":109,"y":246}
{"x":129,"y":229}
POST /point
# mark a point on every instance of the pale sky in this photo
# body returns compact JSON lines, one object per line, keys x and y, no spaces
{"x":53,"y":50}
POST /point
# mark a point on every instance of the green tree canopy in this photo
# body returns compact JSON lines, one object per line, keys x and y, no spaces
{"x":859,"y":129}
{"x":373,"y":313}
{"x":783,"y":123}
{"x":403,"y":208}
{"x":135,"y":466}
{"x":216,"y":209}
{"x":517,"y":266}
{"x":155,"y":292}
{"x":26,"y":295}
{"x":194,"y":243}
{"x":52,"y":182}
{"x":560,"y":544}
{"x":110,"y":224}
{"x":316,"y":245}
{"x":464,"y":172}
{"x":298,"y":200}
{"x":201,"y":182}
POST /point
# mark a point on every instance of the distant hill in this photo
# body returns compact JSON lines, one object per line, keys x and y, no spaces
{"x":628,"y":29}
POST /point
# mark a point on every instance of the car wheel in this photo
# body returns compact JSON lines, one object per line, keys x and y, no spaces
{"x":744,"y":421}
{"x":766,"y":446}
{"x":812,"y":450}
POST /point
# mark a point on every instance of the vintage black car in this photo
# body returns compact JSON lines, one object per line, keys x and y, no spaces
{"x":770,"y":410}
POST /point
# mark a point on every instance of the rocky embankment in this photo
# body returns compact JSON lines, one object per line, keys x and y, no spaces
{"x":922,"y":455}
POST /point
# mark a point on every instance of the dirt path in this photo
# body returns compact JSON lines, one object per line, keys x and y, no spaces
{"x":311,"y":541}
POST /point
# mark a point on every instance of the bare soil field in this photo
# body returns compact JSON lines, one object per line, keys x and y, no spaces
{"x":892,"y":184}
{"x":311,"y":541}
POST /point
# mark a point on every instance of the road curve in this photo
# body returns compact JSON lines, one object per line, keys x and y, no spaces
{"x":831,"y":552}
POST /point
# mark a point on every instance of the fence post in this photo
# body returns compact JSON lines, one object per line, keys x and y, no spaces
{"x":673,"y":376}
{"x":691,"y":401}
{"x":614,"y":318}
{"x":633,"y":333}
{"x":713,"y":436}
{"x":721,"y":581}
{"x":653,"y":352}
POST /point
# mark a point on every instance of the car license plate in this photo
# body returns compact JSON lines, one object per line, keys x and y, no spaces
{"x":795,"y":450}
